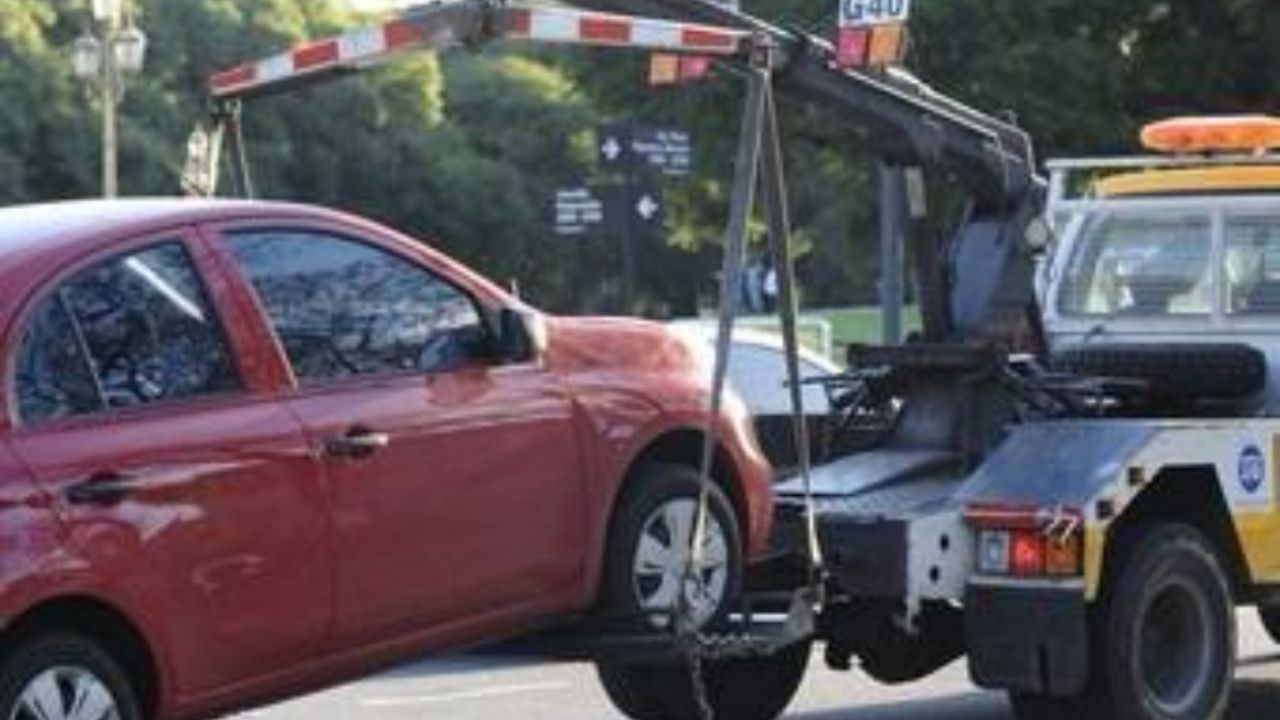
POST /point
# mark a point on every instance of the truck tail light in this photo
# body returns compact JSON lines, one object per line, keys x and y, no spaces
{"x":1026,"y":554}
{"x":1028,"y":543}
{"x":1063,"y":556}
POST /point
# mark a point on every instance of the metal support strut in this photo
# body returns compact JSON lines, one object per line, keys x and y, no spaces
{"x":758,"y":165}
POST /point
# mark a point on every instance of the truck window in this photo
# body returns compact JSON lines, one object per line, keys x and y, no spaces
{"x":1252,"y":264}
{"x":1140,"y":265}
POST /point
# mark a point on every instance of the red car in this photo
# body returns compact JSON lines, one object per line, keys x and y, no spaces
{"x":250,"y":449}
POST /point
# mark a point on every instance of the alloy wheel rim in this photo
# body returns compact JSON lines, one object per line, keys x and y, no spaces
{"x":660,"y":566}
{"x":65,"y":693}
{"x":1174,"y":648}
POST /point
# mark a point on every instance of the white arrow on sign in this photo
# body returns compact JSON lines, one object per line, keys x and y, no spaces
{"x":647,"y":207}
{"x":611,"y":148}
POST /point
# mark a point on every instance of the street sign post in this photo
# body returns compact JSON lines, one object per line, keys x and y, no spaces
{"x":639,"y":155}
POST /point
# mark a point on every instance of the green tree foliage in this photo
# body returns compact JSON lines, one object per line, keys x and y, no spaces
{"x":467,"y":152}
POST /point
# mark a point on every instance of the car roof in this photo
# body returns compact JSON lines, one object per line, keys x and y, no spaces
{"x":27,"y":227}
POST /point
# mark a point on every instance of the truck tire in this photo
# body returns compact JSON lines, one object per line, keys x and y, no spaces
{"x":1164,"y":639}
{"x":739,"y":689}
{"x":1186,"y":372}
{"x":64,"y":675}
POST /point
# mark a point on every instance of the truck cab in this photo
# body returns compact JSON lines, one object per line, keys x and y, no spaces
{"x":1167,"y":267}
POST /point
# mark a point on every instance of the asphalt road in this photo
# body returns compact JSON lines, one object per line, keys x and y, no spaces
{"x":503,"y":688}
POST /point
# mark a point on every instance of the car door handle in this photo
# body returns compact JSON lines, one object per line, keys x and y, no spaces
{"x":104,"y":488}
{"x":356,"y":444}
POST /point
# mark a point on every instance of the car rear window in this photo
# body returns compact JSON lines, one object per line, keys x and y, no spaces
{"x":133,"y":330}
{"x":1141,"y":265}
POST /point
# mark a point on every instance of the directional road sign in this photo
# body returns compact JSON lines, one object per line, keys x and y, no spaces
{"x":628,"y":146}
{"x":648,"y":207}
{"x":577,"y":210}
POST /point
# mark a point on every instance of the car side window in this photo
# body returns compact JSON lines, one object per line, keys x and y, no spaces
{"x":54,"y":379}
{"x":134,"y":330}
{"x":344,"y":308}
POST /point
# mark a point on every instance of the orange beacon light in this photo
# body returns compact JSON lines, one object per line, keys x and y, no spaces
{"x":1240,"y":133}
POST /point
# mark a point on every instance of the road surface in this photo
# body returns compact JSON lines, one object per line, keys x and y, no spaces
{"x":502,"y":688}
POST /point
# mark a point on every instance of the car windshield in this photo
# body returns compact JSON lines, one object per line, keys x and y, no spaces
{"x":1144,"y":265}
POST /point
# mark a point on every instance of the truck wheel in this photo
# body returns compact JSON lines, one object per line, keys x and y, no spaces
{"x":1270,"y":617}
{"x":649,"y":547}
{"x":62,"y":676}
{"x":1163,"y":641}
{"x":1170,"y":634}
{"x":739,"y":689}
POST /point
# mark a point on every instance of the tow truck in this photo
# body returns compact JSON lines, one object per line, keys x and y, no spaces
{"x":1075,"y":497}
{"x":1026,"y":488}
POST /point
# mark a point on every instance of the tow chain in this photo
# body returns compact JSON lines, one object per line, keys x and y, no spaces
{"x":698,"y":682}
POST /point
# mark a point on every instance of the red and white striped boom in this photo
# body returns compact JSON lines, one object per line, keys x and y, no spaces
{"x":450,"y":23}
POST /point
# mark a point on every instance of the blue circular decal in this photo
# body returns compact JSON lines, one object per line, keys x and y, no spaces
{"x":1252,"y":469}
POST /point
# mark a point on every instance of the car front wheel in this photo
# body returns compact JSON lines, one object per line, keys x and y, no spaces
{"x":650,"y":550}
{"x":645,"y":571}
{"x":63,"y":676}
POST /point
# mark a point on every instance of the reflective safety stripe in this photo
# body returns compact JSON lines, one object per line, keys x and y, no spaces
{"x":370,"y":45}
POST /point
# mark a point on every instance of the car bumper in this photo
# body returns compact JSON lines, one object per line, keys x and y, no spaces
{"x":1030,"y":637}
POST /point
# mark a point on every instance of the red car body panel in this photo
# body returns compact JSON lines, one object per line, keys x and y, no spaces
{"x":256,"y":566}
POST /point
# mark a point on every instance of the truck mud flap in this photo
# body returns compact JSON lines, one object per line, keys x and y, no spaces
{"x":1032,"y":638}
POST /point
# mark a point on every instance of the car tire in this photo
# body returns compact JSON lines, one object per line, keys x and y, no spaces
{"x":737,"y":689}
{"x":50,"y":673}
{"x":648,"y":542}
{"x":758,"y":688}
{"x":1270,"y":617}
{"x":1173,"y":372}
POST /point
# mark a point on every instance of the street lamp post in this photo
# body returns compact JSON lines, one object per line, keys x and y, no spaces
{"x":102,"y":58}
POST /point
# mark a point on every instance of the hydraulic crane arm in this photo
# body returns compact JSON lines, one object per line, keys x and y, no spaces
{"x":979,"y":285}
{"x":912,"y":124}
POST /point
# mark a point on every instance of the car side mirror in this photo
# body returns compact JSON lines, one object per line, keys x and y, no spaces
{"x":516,"y":339}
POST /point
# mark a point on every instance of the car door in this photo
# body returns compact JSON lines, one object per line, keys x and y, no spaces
{"x":454,"y":477}
{"x":182,"y":486}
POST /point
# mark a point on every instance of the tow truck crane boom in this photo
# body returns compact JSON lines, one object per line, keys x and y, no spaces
{"x":979,"y":286}
{"x":912,"y":124}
